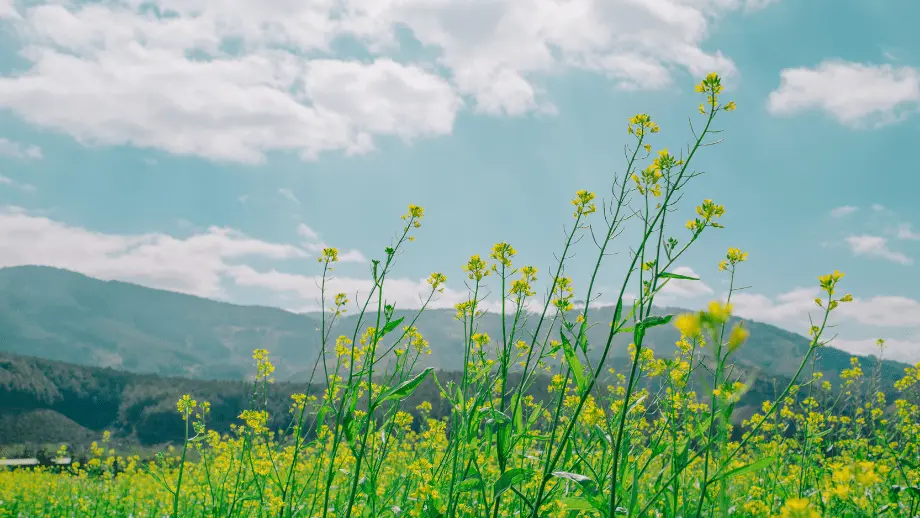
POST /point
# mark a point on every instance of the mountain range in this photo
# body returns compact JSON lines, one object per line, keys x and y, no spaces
{"x":80,"y":355}
{"x":65,"y":316}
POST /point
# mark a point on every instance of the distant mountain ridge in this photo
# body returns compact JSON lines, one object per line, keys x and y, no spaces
{"x":66,"y":316}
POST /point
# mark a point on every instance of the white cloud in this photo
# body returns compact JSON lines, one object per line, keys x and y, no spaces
{"x":404,"y":293}
{"x":876,"y":246}
{"x":288,"y":195}
{"x":884,"y":311}
{"x":8,"y":10}
{"x":231,"y":80}
{"x":315,"y":245}
{"x":902,"y":350}
{"x":13,"y":183}
{"x":846,"y":210}
{"x":307,"y":232}
{"x":791,"y":310}
{"x":681,"y":289}
{"x":195,"y":265}
{"x":109,"y":75}
{"x":15,"y":149}
{"x":854,"y":94}
{"x":905,"y":232}
{"x":878,"y":207}
{"x":756,"y":5}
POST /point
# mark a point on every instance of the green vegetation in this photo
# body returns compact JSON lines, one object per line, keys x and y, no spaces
{"x":542,"y":420}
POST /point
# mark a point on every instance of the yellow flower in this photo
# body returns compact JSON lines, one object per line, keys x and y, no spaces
{"x":829,"y":282}
{"x":503,"y":252}
{"x":584,"y":203}
{"x":186,"y":405}
{"x":329,"y":255}
{"x":798,"y":508}
{"x":737,"y":337}
{"x":719,"y":312}
{"x":736,"y":256}
{"x":689,"y":325}
{"x":255,"y":420}
{"x":436,"y":281}
{"x":476,"y":268}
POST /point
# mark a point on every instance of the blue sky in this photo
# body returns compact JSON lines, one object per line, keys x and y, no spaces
{"x":212,"y":147}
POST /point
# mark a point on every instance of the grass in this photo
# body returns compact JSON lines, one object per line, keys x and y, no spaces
{"x":634,"y":443}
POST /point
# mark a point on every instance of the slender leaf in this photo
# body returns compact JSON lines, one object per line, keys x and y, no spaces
{"x":406,"y":388}
{"x":510,"y":478}
{"x":669,"y":275}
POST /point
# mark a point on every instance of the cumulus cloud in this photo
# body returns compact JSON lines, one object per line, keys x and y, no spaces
{"x":793,"y":307}
{"x":677,"y":289}
{"x":791,"y":310}
{"x":12,"y":149}
{"x":210,"y":261}
{"x":8,"y":10}
{"x":846,"y":210}
{"x":315,"y":245}
{"x":902,"y":350}
{"x":233,"y":81}
{"x":307,"y":232}
{"x":403,"y":293}
{"x":854,"y":94}
{"x":906,"y":232}
{"x":196,"y":265}
{"x":876,"y":246}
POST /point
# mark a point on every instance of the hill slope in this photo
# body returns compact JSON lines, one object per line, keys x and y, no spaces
{"x":65,"y":316}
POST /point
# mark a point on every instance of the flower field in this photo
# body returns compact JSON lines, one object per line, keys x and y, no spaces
{"x":660,"y":438}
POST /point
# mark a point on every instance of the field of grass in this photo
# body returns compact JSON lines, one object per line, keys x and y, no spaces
{"x":640,"y":442}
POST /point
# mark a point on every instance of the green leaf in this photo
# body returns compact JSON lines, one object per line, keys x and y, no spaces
{"x":577,"y":503}
{"x":432,"y":511}
{"x":404,"y":389}
{"x":655,"y":320}
{"x":510,"y":478}
{"x":575,"y":365}
{"x":497,"y":416}
{"x":518,"y":416}
{"x":471,"y":483}
{"x":757,"y":465}
{"x":580,"y":503}
{"x":393,"y":324}
{"x":668,"y":275}
{"x":347,"y":423}
{"x":583,"y":337}
{"x":588,"y":485}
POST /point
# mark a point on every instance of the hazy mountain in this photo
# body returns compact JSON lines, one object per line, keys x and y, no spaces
{"x":163,"y":344}
{"x":65,"y":316}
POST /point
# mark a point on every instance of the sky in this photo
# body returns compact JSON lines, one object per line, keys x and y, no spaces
{"x":214,"y":147}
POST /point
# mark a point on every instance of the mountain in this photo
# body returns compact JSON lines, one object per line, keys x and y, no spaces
{"x":61,"y":315}
{"x":79,"y":356}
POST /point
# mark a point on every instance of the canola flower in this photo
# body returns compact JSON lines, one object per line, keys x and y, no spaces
{"x":543,"y":421}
